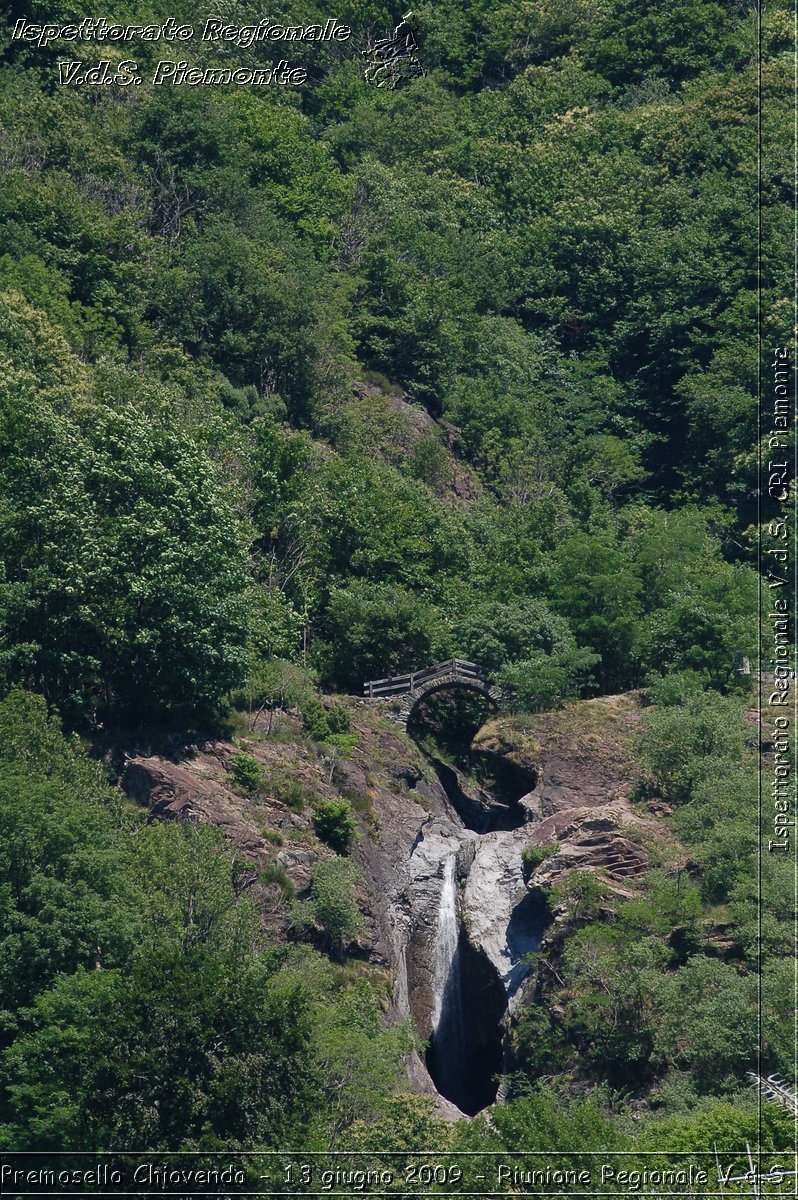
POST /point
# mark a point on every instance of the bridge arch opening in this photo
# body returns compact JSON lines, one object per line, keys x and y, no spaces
{"x":449,"y":715}
{"x":482,"y":789}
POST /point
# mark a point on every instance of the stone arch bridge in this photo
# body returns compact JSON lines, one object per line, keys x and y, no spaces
{"x":455,"y":672}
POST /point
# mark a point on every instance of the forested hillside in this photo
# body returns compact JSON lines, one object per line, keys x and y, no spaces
{"x":304,"y":387}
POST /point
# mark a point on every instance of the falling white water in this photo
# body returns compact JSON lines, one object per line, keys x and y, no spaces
{"x":445,"y":987}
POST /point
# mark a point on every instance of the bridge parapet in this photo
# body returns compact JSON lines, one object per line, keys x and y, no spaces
{"x":395,"y":685}
{"x":454,"y":672}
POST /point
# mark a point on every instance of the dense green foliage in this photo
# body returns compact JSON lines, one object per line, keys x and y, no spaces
{"x":190,"y":295}
{"x":300,"y":388}
{"x":141,"y":1005}
{"x":653,"y":993}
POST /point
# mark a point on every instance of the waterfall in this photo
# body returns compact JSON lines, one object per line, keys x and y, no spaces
{"x":445,"y":982}
{"x":448,"y":1057}
{"x":464,"y":1053}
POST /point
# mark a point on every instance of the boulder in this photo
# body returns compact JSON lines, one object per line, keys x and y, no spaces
{"x":497,"y":909}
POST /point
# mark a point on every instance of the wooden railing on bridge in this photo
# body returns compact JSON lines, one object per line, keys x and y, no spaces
{"x":397,"y":685}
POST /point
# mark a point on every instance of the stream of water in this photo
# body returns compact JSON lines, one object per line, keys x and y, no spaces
{"x":471,"y":989}
{"x":447,"y":1009}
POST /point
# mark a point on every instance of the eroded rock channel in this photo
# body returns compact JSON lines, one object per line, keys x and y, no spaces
{"x":473,"y":927}
{"x":451,"y":910}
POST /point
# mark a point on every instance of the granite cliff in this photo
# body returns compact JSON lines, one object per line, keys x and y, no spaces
{"x":457,"y":874}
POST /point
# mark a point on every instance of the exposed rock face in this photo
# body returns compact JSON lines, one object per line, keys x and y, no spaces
{"x":407,"y":826}
{"x":173,"y":791}
{"x":512,"y":744}
{"x":582,"y":758}
{"x":567,"y":775}
{"x":437,"y":842}
{"x":565,"y":785}
{"x":199,"y":788}
{"x":455,"y":482}
{"x":496,"y":909}
{"x":598,"y":836}
{"x":474,"y":805}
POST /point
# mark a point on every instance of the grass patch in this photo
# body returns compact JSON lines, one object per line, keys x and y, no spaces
{"x":533,"y":856}
{"x":360,"y":801}
{"x":276,"y":873}
{"x":293,"y":793}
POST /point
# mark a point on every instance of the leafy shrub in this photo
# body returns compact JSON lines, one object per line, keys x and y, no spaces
{"x":430,"y":463}
{"x":338,"y":719}
{"x":333,"y":903}
{"x":326,"y":725}
{"x":378,"y":379}
{"x":246,"y":771}
{"x":332,"y":820}
{"x":271,"y":683}
{"x":376,"y":627}
{"x":579,"y":893}
{"x":543,"y":681}
{"x":677,"y":688}
{"x":687,"y":743}
{"x":344,"y":743}
{"x":314,"y":717}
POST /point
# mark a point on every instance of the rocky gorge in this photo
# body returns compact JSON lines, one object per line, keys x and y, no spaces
{"x":457,"y":870}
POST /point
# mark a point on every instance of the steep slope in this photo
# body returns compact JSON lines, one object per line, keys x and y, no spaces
{"x":451,"y":913}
